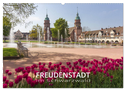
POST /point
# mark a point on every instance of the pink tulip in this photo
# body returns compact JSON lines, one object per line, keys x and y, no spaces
{"x":41,"y":81}
{"x":94,"y":72}
{"x":4,"y":85}
{"x":60,"y":63}
{"x":50,"y":63}
{"x":11,"y":84}
{"x":121,"y":68}
{"x":111,"y":77}
{"x":29,"y":80}
{"x":19,"y":77}
{"x":39,"y":63}
{"x":4,"y":78}
{"x":43,"y":64}
{"x":32,"y":83}
{"x":25,"y":75}
{"x":7,"y":71}
{"x":7,"y":81}
{"x":16,"y":81}
{"x":24,"y":71}
{"x":79,"y":60}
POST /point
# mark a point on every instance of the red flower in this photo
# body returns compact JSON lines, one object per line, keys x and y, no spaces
{"x":79,"y":60}
{"x":7,"y":81}
{"x":43,"y":64}
{"x":11,"y":84}
{"x":41,"y":81}
{"x":60,"y":63}
{"x":107,"y":74}
{"x":94,"y":72}
{"x":7,"y":71}
{"x":4,"y":85}
{"x":111,"y":77}
{"x":24,"y":71}
{"x":39,"y":63}
{"x":50,"y":63}
{"x":32,"y":83}
{"x":19,"y":77}
{"x":121,"y":68}
{"x":4,"y":78}
{"x":25,"y":75}
{"x":16,"y":81}
{"x":29,"y":80}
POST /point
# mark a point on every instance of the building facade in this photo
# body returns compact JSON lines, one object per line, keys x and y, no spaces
{"x":21,"y":35}
{"x":114,"y":34}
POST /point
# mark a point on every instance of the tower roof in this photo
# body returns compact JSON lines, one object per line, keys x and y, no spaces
{"x":77,"y":17}
{"x":46,"y":17}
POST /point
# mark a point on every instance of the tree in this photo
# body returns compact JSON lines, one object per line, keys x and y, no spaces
{"x":6,"y":27}
{"x":18,"y":12}
{"x":86,"y":31}
{"x":34,"y":32}
{"x":60,"y":25}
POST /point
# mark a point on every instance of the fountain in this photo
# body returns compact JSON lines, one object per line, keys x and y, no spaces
{"x":11,"y":39}
{"x":62,"y":41}
{"x":27,"y":38}
{"x":48,"y":34}
{"x":38,"y":30}
{"x":75,"y":39}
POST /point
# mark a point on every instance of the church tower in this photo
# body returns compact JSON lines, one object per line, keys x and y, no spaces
{"x":47,"y":33}
{"x":77,"y":25}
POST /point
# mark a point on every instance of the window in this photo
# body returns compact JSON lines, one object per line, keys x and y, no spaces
{"x":112,"y":34}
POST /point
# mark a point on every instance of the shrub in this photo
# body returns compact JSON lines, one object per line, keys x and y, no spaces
{"x":9,"y":52}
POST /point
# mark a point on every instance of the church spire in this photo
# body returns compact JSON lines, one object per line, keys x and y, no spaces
{"x":46,"y":15}
{"x":77,"y":17}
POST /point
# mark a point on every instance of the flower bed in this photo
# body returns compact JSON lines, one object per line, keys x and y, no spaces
{"x":107,"y":73}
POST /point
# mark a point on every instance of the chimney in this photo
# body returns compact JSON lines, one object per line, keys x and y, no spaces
{"x":101,"y":28}
{"x":114,"y":27}
{"x":105,"y":28}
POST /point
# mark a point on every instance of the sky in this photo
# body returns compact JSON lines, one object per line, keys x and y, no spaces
{"x":93,"y":16}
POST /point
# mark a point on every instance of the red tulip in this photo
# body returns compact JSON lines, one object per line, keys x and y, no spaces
{"x":16,"y":81}
{"x":4,"y":78}
{"x":39,"y":63}
{"x":7,"y":81}
{"x":121,"y":68}
{"x":41,"y":81}
{"x":11,"y":84}
{"x":25,"y":75}
{"x":32,"y":83}
{"x":111,"y":77}
{"x":7,"y":71}
{"x":4,"y":85}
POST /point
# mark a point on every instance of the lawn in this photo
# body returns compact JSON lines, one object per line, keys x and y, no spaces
{"x":9,"y":52}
